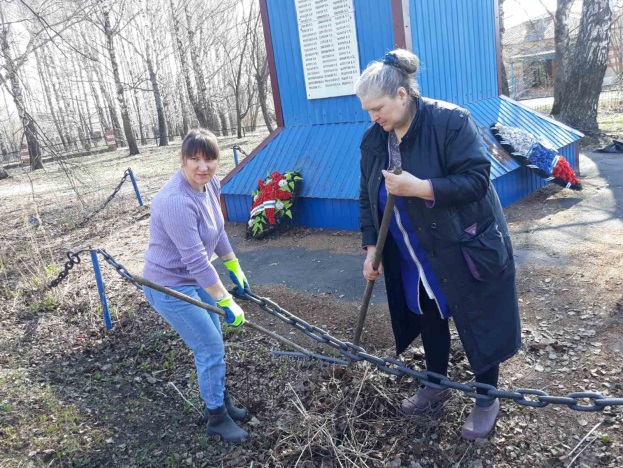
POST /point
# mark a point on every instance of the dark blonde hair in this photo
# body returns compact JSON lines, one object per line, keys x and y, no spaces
{"x":384,"y":77}
{"x":202,"y":141}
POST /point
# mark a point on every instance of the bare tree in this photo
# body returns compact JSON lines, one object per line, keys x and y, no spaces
{"x":153,"y":77}
{"x":239,"y":80}
{"x":12,"y":65}
{"x":587,"y":67}
{"x":616,"y":45}
{"x":505,"y":90}
{"x":259,"y":63}
{"x":200,"y":111}
{"x":200,"y":81}
{"x":110,"y":31}
{"x":562,"y":42}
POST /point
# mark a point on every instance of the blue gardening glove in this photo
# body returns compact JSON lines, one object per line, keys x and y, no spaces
{"x":237,"y":275}
{"x":235,"y":315}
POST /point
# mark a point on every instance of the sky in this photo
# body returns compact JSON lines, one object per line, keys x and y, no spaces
{"x":518,"y":11}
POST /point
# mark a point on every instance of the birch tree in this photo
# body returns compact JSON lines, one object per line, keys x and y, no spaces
{"x":562,"y":40}
{"x":587,"y":67}
{"x":110,"y":31}
{"x":11,"y":67}
{"x":259,"y":64}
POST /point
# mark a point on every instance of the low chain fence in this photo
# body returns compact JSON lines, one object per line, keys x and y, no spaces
{"x":578,"y":401}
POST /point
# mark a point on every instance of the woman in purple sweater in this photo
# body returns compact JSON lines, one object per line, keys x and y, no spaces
{"x":186,"y":228}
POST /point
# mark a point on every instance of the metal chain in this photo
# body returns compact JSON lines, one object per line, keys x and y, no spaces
{"x":108,"y":200}
{"x":238,"y":148}
{"x":74,"y":259}
{"x":536,"y":398}
{"x":123,"y":271}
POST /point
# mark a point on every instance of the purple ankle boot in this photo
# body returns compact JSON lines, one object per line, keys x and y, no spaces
{"x":481,"y":421}
{"x":426,"y":400}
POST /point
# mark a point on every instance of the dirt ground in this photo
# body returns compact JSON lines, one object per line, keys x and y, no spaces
{"x":75,"y":394}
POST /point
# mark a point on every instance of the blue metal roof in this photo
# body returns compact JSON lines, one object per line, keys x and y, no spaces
{"x":509,"y":112}
{"x":455,"y":40}
{"x":375,"y":34}
{"x":327,"y":155}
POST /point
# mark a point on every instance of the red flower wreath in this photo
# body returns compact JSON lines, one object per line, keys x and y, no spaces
{"x":272,"y":202}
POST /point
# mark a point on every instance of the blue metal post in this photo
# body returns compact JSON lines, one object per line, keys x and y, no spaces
{"x":100,"y":288}
{"x":138,"y":194}
{"x":235,"y":156}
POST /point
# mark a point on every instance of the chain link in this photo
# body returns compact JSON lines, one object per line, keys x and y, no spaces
{"x":522,"y":396}
{"x":536,"y":398}
{"x":114,"y":193}
{"x":123,"y":271}
{"x":73,"y":259}
{"x":238,"y":148}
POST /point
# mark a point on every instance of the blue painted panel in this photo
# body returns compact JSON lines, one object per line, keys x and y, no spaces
{"x":373,"y":20}
{"x":343,"y":214}
{"x":455,"y":40}
{"x":310,"y":212}
{"x":327,"y":155}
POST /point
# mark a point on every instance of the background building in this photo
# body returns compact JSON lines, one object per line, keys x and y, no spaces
{"x":459,"y":47}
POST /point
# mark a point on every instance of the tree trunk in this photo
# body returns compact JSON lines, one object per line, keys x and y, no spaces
{"x":224,"y":122}
{"x":3,"y":152}
{"x":505,"y":90}
{"x":101,"y":115}
{"x":84,"y":113}
{"x":563,"y":51}
{"x":48,"y":97}
{"x":194,"y":101}
{"x":578,"y":107}
{"x":125,"y":116}
{"x":112,"y":110}
{"x":260,"y":67}
{"x":60,"y":87}
{"x":141,"y":131}
{"x":200,"y":82}
{"x":262,"y":94}
{"x":29,"y":126}
{"x":185,"y":123}
{"x":162,"y":122}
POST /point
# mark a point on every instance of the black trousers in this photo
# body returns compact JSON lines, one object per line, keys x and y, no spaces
{"x":436,"y":340}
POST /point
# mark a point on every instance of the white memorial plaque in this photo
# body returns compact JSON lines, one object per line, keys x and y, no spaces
{"x":329,"y":47}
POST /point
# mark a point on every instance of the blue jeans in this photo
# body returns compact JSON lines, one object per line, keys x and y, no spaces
{"x":201,"y":331}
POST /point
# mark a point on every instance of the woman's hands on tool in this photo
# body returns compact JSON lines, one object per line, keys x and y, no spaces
{"x":235,"y":314}
{"x":407,"y":185}
{"x":368,"y":272}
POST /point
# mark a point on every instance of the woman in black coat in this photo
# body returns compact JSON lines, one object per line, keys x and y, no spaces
{"x":448,"y":252}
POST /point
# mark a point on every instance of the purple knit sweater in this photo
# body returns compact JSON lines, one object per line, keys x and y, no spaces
{"x":186,"y":227}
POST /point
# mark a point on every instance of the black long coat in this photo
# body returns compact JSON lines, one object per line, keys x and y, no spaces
{"x":473,"y":264}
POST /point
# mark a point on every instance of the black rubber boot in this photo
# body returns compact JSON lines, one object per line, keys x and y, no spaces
{"x":220,"y":423}
{"x":236,"y":413}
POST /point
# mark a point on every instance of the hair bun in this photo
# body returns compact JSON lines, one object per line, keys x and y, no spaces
{"x":405,"y":61}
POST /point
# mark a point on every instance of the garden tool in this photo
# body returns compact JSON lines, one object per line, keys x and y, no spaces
{"x":172,"y":292}
{"x":380,"y":243}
